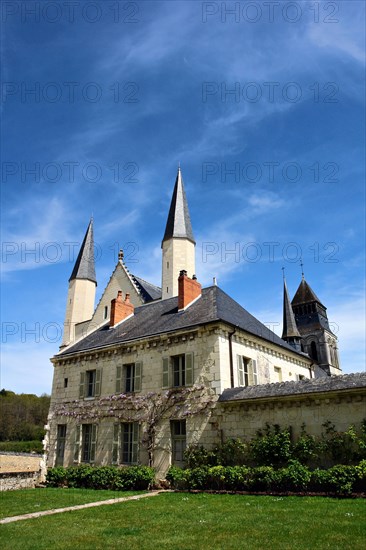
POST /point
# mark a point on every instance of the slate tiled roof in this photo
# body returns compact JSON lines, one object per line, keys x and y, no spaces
{"x":162,"y":317}
{"x":302,"y":387}
{"x":84,"y":267}
{"x":289,"y":325}
{"x":179,"y":224}
{"x":304,"y":294}
{"x":148,"y":291}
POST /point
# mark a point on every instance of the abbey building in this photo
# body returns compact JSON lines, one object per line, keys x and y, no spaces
{"x":150,"y":370}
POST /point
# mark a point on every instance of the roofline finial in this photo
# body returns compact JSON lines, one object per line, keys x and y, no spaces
{"x":283,"y":273}
{"x":302,"y":269}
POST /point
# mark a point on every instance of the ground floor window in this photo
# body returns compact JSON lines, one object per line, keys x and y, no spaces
{"x":60,"y":445}
{"x":85,"y":443}
{"x":126,"y":443}
{"x":179,"y":441}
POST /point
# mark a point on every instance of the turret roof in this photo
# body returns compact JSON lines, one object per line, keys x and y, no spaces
{"x":179,"y":222}
{"x":289,"y":324}
{"x":84,"y":267}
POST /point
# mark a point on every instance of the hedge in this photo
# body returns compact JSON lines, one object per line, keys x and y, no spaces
{"x":104,"y":477}
{"x":338,"y":480}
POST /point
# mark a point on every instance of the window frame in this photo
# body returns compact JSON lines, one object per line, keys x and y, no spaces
{"x":247,"y":373}
{"x":178,"y":370}
{"x":126,"y":443}
{"x":178,"y":441}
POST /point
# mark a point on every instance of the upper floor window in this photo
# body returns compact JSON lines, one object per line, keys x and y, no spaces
{"x":128,"y":377}
{"x":247,"y":371}
{"x":178,"y":370}
{"x":90,"y":383}
{"x":105,"y":312}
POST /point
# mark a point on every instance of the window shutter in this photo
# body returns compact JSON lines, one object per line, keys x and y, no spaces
{"x":119,"y":379}
{"x":82,"y":385}
{"x":135,"y":442}
{"x":240,"y":370}
{"x":93,"y":442}
{"x":116,"y":431}
{"x":98,"y":382}
{"x":77,"y":443}
{"x":166,"y":372}
{"x":255,"y":374}
{"x":138,"y":376}
{"x":189,"y":369}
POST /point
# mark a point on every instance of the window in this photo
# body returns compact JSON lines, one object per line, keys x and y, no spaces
{"x":125,"y":443}
{"x":278,"y":374}
{"x":179,"y":441}
{"x":66,"y":381}
{"x":300,"y":377}
{"x":60,"y":445}
{"x":313,"y":351}
{"x":178,"y":370}
{"x":105,"y":312}
{"x":128,"y":377}
{"x":85,"y":443}
{"x":247,"y":371}
{"x":90,"y":383}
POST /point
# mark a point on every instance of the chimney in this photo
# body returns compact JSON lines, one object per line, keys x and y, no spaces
{"x":120,"y":309}
{"x":188,"y":290}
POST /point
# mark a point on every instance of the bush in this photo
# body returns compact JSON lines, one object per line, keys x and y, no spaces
{"x":196,"y":456}
{"x":272,"y":446}
{"x":103,"y":477}
{"x":295,"y":477}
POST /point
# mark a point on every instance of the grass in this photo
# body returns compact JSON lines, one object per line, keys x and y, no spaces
{"x":181,"y":521}
{"x":15,"y":503}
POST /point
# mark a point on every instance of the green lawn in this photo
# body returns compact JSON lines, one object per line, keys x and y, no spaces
{"x":15,"y":503}
{"x":199,"y":521}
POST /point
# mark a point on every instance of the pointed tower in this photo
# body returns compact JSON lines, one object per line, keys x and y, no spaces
{"x":82,"y":286}
{"x":178,"y":242}
{"x":311,"y":318}
{"x":290,"y":332}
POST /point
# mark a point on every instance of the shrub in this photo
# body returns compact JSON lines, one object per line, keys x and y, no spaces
{"x":272,"y":446}
{"x":34,"y":446}
{"x":233,"y":452}
{"x":196,"y":456}
{"x":103,"y":477}
{"x":295,"y":477}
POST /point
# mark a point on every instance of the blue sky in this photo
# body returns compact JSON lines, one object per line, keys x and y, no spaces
{"x":263,"y":106}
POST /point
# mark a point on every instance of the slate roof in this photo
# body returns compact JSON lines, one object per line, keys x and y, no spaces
{"x":289,"y":324}
{"x":302,"y":387}
{"x":304,"y":295}
{"x":84,"y":267}
{"x":162,"y":317}
{"x":179,"y":222}
{"x":148,"y":291}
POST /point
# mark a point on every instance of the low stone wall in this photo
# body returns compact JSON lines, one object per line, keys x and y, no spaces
{"x":21,"y":471}
{"x":19,"y":480}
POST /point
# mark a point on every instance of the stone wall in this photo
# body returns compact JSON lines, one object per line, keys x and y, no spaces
{"x":19,"y":480}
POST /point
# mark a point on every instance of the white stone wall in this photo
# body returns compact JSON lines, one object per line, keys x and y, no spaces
{"x":79,"y":306}
{"x":178,"y":255}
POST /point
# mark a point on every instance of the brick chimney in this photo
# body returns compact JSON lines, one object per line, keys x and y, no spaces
{"x":188,"y":290}
{"x":120,"y":309}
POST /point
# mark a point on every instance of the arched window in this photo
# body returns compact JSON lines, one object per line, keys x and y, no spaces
{"x":313,"y":351}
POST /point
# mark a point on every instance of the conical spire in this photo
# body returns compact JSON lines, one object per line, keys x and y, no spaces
{"x":179,"y":222}
{"x":290,"y":329}
{"x":305,"y":294}
{"x":84,"y":267}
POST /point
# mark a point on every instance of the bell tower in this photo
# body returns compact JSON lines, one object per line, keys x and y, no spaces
{"x":178,"y":243}
{"x":318,"y":341}
{"x":82,"y":287}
